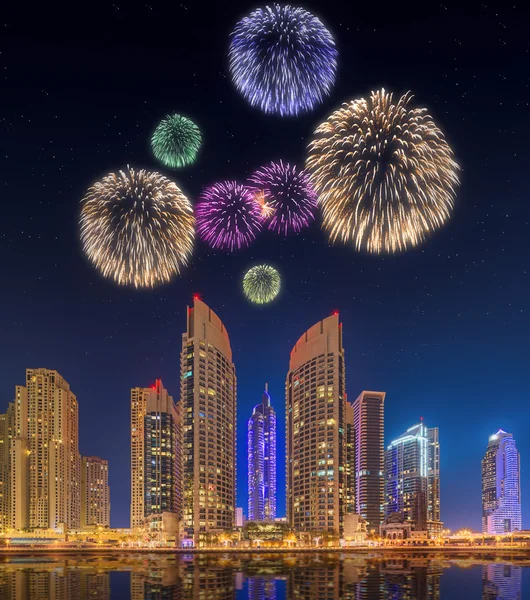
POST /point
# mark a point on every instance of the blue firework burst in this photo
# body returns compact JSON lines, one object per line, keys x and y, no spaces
{"x":283,"y":60}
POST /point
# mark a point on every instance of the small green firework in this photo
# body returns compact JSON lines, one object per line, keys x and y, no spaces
{"x":176,"y":141}
{"x":261,"y":284}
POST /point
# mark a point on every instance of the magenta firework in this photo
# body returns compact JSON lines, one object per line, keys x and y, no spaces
{"x":289,"y":196}
{"x":228,"y":216}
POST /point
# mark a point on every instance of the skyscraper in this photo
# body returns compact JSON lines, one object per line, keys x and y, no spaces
{"x":95,"y":492}
{"x":208,"y":394}
{"x":315,"y":429}
{"x":501,"y":498}
{"x":369,"y":422}
{"x":412,"y":476}
{"x":43,"y":461}
{"x":433,"y":480}
{"x":156,"y":459}
{"x":262,"y":461}
{"x":6,"y":433}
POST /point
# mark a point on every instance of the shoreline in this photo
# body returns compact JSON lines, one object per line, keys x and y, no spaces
{"x":405,"y":550}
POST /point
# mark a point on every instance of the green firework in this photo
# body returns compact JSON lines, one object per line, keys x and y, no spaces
{"x":261,"y":284}
{"x":176,"y":141}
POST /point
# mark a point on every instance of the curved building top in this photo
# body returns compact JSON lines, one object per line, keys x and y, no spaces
{"x":204,"y":324}
{"x":325,"y":336}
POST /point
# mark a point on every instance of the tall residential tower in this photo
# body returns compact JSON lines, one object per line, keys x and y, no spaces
{"x":369,"y":423}
{"x":208,"y":396}
{"x":40,"y":460}
{"x":262,"y":461}
{"x":95,"y":492}
{"x":316,"y":449}
{"x":156,"y":459}
{"x":412,"y":477}
{"x":501,"y":496}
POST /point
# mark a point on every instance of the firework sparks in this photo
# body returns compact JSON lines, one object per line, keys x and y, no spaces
{"x":261,"y":284}
{"x":228,"y":216}
{"x":137,"y":228}
{"x":266,"y":209}
{"x":385,"y":175}
{"x":176,"y":141}
{"x":282,"y":59}
{"x":289,"y":195}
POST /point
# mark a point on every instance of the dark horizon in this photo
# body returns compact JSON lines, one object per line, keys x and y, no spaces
{"x":442,"y":329}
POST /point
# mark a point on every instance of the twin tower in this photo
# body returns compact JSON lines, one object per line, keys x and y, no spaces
{"x":334,"y":450}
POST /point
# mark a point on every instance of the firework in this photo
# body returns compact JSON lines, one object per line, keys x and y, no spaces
{"x":282,"y":59}
{"x":228,"y":216}
{"x":176,"y":141}
{"x":385,"y":175}
{"x":137,"y":228}
{"x":261,"y":284}
{"x":288,"y":195}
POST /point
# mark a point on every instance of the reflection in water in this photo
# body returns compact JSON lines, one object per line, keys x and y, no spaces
{"x":315,"y":576}
{"x":501,"y":581}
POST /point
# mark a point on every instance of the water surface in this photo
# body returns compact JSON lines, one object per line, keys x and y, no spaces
{"x":318,"y":576}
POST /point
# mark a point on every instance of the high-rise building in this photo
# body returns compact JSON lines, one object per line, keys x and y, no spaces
{"x":44,"y":465}
{"x":369,"y":423}
{"x":501,"y":496}
{"x":412,"y":476}
{"x":7,"y":421}
{"x":315,"y":430}
{"x":208,"y":396}
{"x":95,"y":492}
{"x":156,"y":459}
{"x":433,"y":479}
{"x":262,"y":461}
{"x":349,"y":467}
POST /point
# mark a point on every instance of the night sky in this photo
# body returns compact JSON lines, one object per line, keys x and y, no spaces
{"x":443,"y":329}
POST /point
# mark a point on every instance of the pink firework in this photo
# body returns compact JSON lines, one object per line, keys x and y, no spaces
{"x":228,"y":216}
{"x":289,"y":195}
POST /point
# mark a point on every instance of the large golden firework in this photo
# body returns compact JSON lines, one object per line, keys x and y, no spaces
{"x":137,"y":228}
{"x":385,"y":175}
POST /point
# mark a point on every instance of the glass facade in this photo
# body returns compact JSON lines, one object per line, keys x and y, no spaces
{"x":261,"y":444}
{"x":501,"y":497}
{"x":412,"y":476}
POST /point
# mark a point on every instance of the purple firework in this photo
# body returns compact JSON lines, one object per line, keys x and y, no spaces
{"x":228,"y":216}
{"x":282,"y":59}
{"x":288,"y":194}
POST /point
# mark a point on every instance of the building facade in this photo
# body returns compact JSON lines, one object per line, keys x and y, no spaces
{"x":7,"y":421}
{"x":433,"y":480}
{"x":40,"y":462}
{"x":315,"y":430}
{"x":261,"y":447}
{"x":208,"y":396}
{"x":369,"y":423}
{"x":412,"y":477}
{"x":501,"y":496}
{"x":156,"y":459}
{"x":95,"y":492}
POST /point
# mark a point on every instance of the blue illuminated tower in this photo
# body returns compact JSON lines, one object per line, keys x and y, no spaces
{"x":262,"y":461}
{"x":501,"y":497}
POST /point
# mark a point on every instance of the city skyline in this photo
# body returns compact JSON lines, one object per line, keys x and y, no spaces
{"x":431,"y":454}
